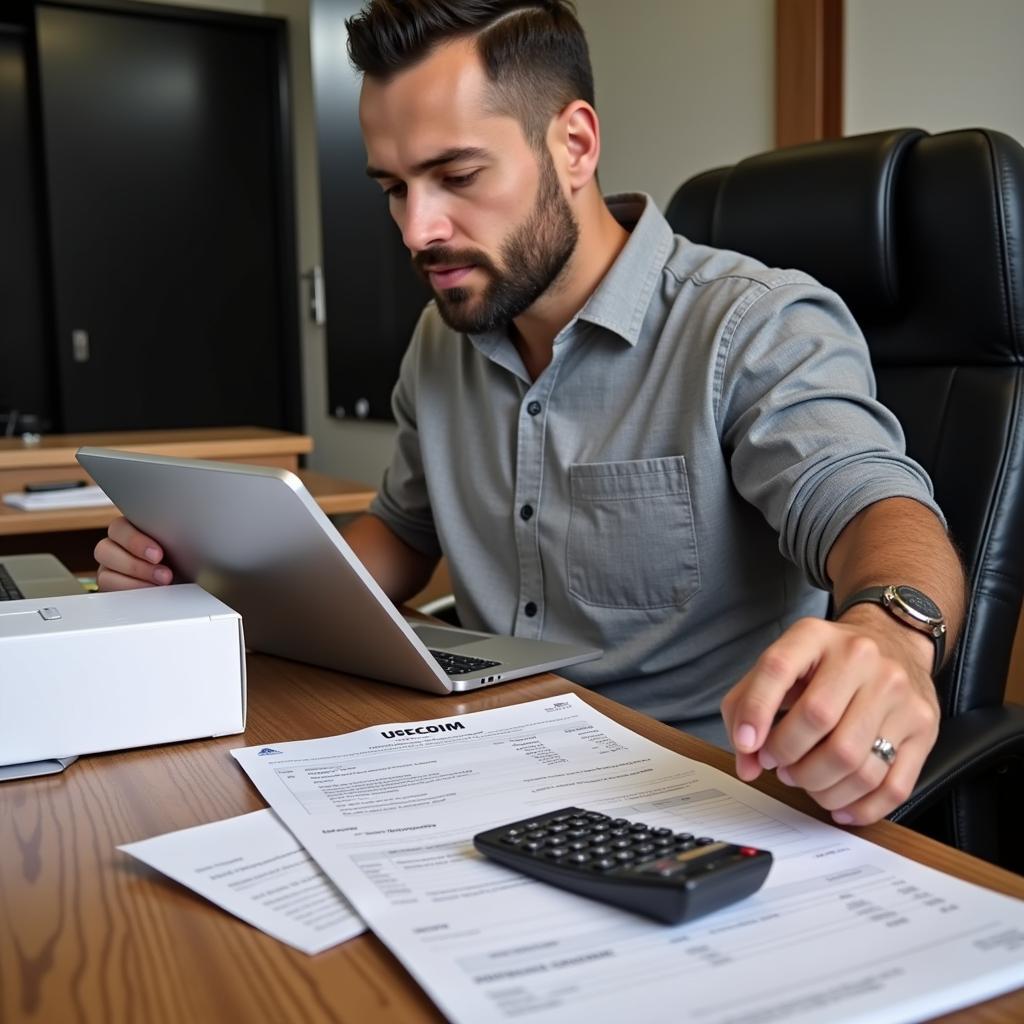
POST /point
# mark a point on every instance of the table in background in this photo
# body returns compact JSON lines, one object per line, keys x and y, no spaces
{"x":89,"y":934}
{"x":71,"y":534}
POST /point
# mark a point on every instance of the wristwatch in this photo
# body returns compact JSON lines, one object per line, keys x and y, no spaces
{"x":912,"y":608}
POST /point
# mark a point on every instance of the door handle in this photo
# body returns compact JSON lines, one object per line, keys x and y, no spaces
{"x":80,"y":346}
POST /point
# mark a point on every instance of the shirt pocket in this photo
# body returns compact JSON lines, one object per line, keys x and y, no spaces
{"x":631,"y":539}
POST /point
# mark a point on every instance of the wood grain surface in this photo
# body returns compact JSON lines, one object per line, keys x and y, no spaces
{"x":89,"y":934}
{"x":188,"y":443}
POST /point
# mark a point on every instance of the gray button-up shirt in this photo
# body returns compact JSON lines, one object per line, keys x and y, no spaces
{"x":669,"y":487}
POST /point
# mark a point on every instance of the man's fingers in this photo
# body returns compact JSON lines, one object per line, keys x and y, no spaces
{"x":894,"y":789}
{"x":107,"y":579}
{"x":750,"y":707}
{"x":748,"y":767}
{"x":124,"y":534}
{"x":827,"y":735}
{"x":112,"y":557}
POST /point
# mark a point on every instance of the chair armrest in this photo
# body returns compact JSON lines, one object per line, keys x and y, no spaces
{"x":969,"y":745}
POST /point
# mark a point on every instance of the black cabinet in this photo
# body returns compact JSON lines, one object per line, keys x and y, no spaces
{"x":374,"y":295}
{"x":171,"y":280}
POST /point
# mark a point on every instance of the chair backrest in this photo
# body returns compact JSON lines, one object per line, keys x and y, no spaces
{"x":923,"y":237}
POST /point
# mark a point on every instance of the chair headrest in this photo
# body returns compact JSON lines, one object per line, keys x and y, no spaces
{"x":826,"y":208}
{"x":923,"y":236}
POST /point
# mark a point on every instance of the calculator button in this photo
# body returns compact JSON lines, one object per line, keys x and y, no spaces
{"x":645,"y":848}
{"x":705,"y":841}
{"x":605,"y":863}
{"x":576,"y":833}
{"x":579,"y":858}
{"x":638,"y":826}
{"x":684,"y":837}
{"x":620,"y":844}
{"x":663,"y":841}
{"x":561,"y":817}
{"x":640,"y":837}
{"x":578,"y":845}
{"x":661,"y":832}
{"x":599,"y":826}
{"x":594,"y":816}
{"x":537,"y":833}
{"x":556,"y":841}
{"x":556,"y":852}
{"x":513,"y":840}
{"x":555,"y":829}
{"x":688,"y":845}
{"x":533,"y":844}
{"x":623,"y":856}
{"x":531,"y":824}
{"x":601,"y":849}
{"x":618,"y":822}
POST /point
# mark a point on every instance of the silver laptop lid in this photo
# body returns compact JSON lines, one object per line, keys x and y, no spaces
{"x":254,"y":537}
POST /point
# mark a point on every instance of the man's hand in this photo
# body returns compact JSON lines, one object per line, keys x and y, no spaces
{"x":129,"y":559}
{"x":843,"y":685}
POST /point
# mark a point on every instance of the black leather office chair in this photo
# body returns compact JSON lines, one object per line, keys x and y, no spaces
{"x":923,"y":236}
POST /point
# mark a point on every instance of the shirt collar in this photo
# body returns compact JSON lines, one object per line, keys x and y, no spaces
{"x":620,"y":301}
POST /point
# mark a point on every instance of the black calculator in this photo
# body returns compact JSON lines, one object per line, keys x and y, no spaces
{"x":668,"y":875}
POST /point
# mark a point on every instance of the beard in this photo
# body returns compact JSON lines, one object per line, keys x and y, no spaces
{"x":533,"y":257}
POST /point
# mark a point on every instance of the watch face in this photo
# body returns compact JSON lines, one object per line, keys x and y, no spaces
{"x":920,"y":603}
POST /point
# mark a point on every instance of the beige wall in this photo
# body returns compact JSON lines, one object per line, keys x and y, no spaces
{"x":682,"y":86}
{"x":934,"y":64}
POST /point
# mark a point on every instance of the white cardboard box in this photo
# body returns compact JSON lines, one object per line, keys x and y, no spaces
{"x":92,"y":672}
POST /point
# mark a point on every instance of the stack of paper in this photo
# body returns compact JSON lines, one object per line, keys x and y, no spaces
{"x":71,"y":497}
{"x":843,"y":930}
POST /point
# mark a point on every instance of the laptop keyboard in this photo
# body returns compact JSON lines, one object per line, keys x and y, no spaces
{"x":460,"y":665}
{"x":8,"y":588}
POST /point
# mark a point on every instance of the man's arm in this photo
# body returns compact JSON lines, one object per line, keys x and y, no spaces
{"x":847,"y":683}
{"x":401,"y":570}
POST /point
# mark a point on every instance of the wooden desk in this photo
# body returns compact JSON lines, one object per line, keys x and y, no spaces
{"x":88,"y":934}
{"x":71,"y":534}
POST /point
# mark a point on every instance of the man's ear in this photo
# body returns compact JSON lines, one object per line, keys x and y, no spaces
{"x":575,"y":140}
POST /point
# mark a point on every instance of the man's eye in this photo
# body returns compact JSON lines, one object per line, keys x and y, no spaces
{"x":396,"y":191}
{"x":461,"y":180}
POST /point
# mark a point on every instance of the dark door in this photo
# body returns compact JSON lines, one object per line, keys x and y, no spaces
{"x":26,"y":392}
{"x":374,"y":296}
{"x":160,"y":155}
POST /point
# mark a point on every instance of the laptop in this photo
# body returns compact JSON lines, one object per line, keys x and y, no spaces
{"x":25,"y":576}
{"x":255,"y":538}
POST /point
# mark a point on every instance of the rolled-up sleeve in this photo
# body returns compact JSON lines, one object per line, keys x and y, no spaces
{"x":403,"y":501}
{"x":809,"y":444}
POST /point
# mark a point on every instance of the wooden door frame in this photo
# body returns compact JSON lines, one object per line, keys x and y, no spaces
{"x":808,"y":71}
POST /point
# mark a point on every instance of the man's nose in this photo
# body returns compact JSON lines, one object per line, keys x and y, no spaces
{"x":424,"y":223}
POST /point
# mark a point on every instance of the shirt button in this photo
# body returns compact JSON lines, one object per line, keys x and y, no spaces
{"x":526,"y":512}
{"x":533,"y":408}
{"x":530,"y":609}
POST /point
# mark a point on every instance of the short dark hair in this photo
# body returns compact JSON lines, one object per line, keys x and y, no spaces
{"x":534,"y":51}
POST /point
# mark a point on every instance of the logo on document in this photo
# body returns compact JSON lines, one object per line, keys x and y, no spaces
{"x":267,"y":750}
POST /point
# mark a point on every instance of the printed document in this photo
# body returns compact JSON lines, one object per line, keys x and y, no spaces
{"x":253,"y":867}
{"x":842,"y":930}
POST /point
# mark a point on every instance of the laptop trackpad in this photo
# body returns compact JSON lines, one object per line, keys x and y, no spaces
{"x":446,"y":639}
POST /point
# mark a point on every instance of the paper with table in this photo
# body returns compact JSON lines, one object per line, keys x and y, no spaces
{"x":843,"y":930}
{"x":51,"y":501}
{"x":253,"y":867}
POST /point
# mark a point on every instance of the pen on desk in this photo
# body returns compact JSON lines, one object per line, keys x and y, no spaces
{"x":53,"y":485}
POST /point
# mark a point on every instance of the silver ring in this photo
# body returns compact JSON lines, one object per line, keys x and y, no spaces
{"x":884,"y":749}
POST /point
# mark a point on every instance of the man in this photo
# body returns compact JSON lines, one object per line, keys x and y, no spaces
{"x":621,"y":438}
